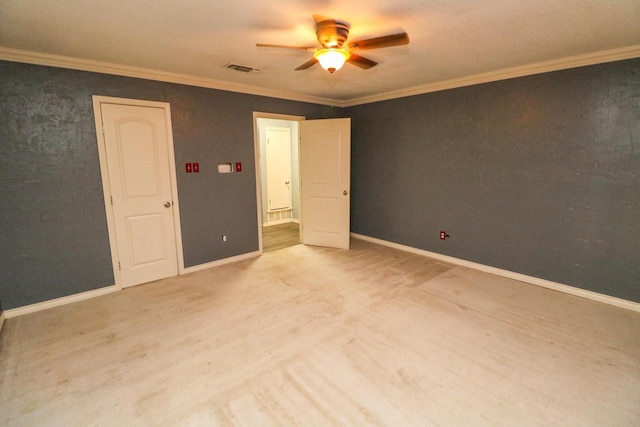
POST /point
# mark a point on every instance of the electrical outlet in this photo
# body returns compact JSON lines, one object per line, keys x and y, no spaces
{"x":443,"y":235}
{"x":224,"y":237}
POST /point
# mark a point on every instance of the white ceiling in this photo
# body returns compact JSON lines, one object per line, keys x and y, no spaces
{"x":453,"y":42}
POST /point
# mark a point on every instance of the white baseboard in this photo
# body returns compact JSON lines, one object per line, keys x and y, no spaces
{"x":607,"y":299}
{"x":2,"y":316}
{"x":27,"y":309}
{"x":14,"y":312}
{"x":595,"y":296}
{"x":220,"y":262}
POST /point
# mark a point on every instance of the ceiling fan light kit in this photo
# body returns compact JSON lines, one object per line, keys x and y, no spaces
{"x":335,"y":50}
{"x":332,"y":59}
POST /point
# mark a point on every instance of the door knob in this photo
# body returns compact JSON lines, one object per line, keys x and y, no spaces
{"x":344,"y":193}
{"x":167,"y":204}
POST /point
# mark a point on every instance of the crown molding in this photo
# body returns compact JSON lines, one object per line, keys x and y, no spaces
{"x":36,"y":58}
{"x":29,"y":57}
{"x":508,"y":73}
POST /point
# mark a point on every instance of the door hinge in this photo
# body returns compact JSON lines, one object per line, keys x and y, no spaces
{"x":111,"y":197}
{"x":119,"y":267}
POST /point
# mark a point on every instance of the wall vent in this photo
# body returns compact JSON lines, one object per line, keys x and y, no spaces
{"x":242,"y":68}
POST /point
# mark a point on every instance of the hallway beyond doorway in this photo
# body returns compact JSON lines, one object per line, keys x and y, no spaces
{"x":280,"y":236}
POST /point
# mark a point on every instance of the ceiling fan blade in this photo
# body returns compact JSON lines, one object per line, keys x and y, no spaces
{"x":361,"y":61}
{"x":378,"y":42}
{"x":307,"y":64}
{"x":280,"y":46}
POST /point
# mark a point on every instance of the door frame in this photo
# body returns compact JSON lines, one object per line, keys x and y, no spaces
{"x":256,"y":148}
{"x":106,"y":186}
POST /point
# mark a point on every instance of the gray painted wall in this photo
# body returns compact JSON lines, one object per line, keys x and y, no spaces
{"x":539,"y":175}
{"x":53,"y":232}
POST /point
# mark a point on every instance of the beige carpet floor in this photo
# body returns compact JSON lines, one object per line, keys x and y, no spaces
{"x":312,"y":336}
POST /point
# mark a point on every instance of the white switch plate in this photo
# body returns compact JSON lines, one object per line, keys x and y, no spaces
{"x":225,"y":168}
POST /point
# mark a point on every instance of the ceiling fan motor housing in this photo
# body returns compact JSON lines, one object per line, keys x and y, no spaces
{"x":332,"y":33}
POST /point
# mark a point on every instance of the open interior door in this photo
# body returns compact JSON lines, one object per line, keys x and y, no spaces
{"x":325,"y":157}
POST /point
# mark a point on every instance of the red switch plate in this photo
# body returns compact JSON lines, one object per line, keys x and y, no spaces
{"x":188,"y":167}
{"x":443,"y":235}
{"x":238,"y":167}
{"x":196,"y":167}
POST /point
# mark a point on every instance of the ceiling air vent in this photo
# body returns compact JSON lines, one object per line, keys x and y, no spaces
{"x":242,"y":68}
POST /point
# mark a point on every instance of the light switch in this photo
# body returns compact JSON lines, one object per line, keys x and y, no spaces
{"x":225,"y":168}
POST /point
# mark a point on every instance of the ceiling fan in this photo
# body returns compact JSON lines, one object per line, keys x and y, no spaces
{"x":335,"y":51}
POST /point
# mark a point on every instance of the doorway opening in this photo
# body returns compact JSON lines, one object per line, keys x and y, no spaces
{"x":324,"y":148}
{"x":278,"y":179}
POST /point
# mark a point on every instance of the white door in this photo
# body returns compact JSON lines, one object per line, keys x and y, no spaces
{"x":136,"y":140}
{"x":325,"y":156}
{"x":278,"y":168}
